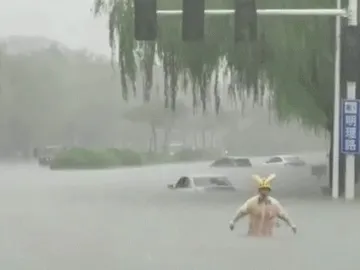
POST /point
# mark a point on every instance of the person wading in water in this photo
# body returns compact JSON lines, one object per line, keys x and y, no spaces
{"x":263,"y":210}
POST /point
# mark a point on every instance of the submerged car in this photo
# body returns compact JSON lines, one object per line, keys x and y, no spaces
{"x":232,"y":161}
{"x":285,"y":160}
{"x":202,"y":183}
{"x":46,"y":154}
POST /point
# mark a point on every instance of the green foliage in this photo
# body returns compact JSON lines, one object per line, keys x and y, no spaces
{"x":126,"y":157}
{"x":79,"y":158}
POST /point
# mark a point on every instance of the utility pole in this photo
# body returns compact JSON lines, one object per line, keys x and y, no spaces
{"x":351,"y":72}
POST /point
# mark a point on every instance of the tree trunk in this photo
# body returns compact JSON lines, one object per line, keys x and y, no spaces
{"x":150,"y":149}
{"x":154,"y":138}
{"x":167,"y":132}
{"x":212,"y":139}
{"x":203,"y":138}
{"x":195,"y":139}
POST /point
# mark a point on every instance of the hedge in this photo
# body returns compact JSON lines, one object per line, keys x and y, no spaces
{"x":80,"y":158}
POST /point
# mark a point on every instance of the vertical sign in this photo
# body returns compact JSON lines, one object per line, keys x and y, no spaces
{"x":350,"y":125}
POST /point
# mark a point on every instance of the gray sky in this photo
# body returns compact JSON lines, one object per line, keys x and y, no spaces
{"x":70,"y":22}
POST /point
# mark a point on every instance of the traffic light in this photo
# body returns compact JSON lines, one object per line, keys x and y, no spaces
{"x":193,"y":17}
{"x":351,"y":51}
{"x":245,"y":23}
{"x":145,"y":20}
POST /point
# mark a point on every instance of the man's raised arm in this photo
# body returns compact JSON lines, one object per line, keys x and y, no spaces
{"x":240,"y":213}
{"x":283,"y":215}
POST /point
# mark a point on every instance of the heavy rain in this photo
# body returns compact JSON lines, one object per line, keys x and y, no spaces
{"x":96,"y":143}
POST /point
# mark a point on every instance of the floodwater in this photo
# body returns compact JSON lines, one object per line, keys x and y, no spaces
{"x":127,"y":219}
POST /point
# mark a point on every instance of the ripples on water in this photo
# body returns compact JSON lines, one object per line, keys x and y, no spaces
{"x":182,"y":235}
{"x":94,"y":220}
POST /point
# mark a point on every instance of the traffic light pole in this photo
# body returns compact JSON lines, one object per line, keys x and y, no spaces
{"x":351,"y":13}
{"x":269,"y":12}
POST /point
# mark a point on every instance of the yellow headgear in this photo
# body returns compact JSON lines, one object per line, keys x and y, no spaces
{"x":264,"y":182}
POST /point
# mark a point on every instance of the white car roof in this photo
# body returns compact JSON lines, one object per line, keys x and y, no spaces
{"x":234,"y":157}
{"x":206,"y":176}
{"x":285,"y":156}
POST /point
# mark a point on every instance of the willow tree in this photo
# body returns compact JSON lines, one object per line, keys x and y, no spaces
{"x":292,"y":59}
{"x":292,"y":62}
{"x":195,"y":64}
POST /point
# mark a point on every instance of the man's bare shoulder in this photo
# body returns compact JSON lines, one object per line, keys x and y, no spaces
{"x":253,"y":199}
{"x":274,"y":201}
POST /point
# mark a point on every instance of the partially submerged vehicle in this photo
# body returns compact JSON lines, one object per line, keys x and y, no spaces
{"x":232,"y":162}
{"x":202,"y":183}
{"x":285,"y":160}
{"x":46,"y":154}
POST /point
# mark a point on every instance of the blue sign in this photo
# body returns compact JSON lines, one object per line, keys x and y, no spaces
{"x":350,"y":127}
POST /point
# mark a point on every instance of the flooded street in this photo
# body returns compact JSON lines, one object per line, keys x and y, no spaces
{"x":127,"y":219}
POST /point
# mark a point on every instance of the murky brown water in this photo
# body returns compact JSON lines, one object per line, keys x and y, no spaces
{"x":119,"y":220}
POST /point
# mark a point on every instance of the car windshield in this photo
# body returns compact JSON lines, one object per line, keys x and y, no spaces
{"x":210,"y":181}
{"x":243,"y":162}
{"x":222,"y":162}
